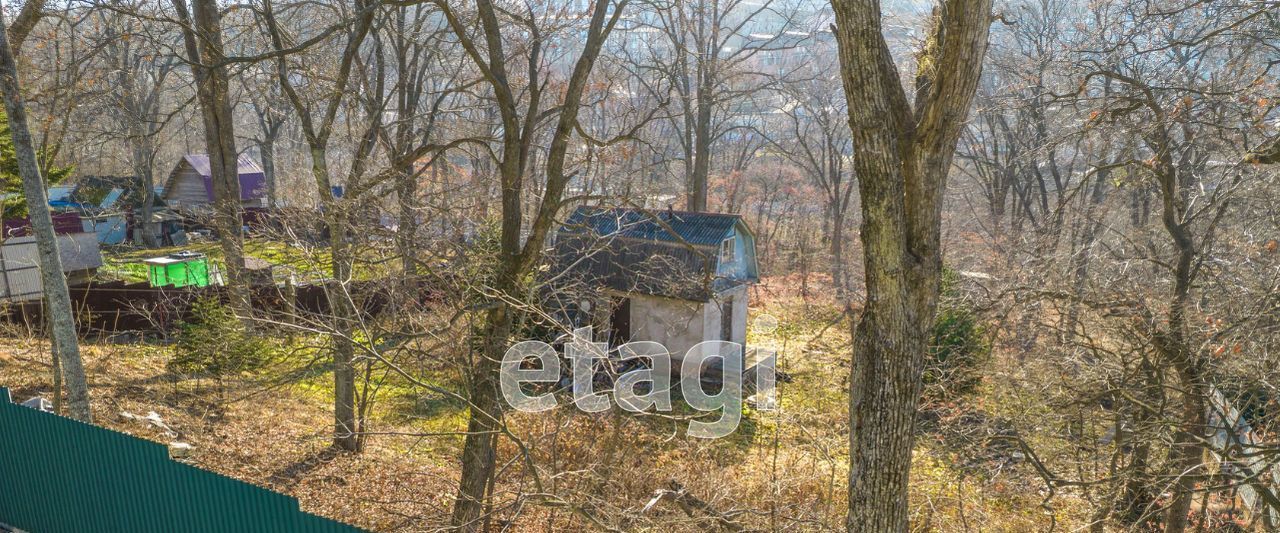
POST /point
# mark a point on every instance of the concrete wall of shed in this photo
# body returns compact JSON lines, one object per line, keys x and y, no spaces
{"x":681,"y":324}
{"x":738,"y":333}
{"x":676,"y":324}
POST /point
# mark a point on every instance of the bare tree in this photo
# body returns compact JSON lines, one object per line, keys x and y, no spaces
{"x":139,"y":69}
{"x":419,"y":78}
{"x":487,"y":48}
{"x":1181,"y":117}
{"x":903,"y":157}
{"x":272,"y":116}
{"x":705,"y":62}
{"x":816,"y":138}
{"x":318,"y":130}
{"x":62,"y":326}
{"x":202,"y":35}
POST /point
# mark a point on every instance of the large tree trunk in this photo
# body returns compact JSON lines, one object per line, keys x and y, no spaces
{"x":203,"y":40}
{"x":348,"y":429}
{"x":902,"y":158}
{"x":697,"y":200}
{"x":62,"y":327}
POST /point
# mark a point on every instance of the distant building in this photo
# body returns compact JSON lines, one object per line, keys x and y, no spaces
{"x":673,"y":277}
{"x":111,"y":207}
{"x":190,"y":184}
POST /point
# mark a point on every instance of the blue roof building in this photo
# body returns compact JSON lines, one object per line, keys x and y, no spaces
{"x":673,"y":277}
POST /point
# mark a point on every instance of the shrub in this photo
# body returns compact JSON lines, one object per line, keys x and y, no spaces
{"x":215,"y":343}
{"x":959,"y":346}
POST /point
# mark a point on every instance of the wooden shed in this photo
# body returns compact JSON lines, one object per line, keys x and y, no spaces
{"x":190,"y":184}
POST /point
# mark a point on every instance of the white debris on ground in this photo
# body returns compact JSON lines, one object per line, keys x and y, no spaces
{"x":153,"y":419}
{"x":179,"y":450}
{"x":39,"y":403}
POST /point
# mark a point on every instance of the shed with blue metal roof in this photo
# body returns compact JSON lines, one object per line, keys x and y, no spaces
{"x":673,"y":277}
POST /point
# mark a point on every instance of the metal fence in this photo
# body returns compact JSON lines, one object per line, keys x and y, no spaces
{"x":58,"y":475}
{"x":116,"y":306}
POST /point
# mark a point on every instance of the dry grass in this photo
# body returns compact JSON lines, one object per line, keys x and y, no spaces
{"x":782,"y":470}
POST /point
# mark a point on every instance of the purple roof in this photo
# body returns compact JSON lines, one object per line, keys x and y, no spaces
{"x":252,"y":180}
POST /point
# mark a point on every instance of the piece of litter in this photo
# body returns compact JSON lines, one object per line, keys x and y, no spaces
{"x":39,"y":403}
{"x":179,"y":450}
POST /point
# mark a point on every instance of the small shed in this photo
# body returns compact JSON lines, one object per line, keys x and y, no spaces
{"x":181,"y":269}
{"x":20,"y":264}
{"x":190,"y":184}
{"x":673,"y":277}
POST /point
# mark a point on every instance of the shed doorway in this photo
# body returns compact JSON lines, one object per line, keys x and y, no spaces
{"x":620,"y":322}
{"x":726,"y":319}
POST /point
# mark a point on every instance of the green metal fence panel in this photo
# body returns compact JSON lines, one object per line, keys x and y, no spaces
{"x":58,"y":475}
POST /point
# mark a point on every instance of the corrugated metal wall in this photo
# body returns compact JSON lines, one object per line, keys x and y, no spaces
{"x":20,"y":263}
{"x":58,"y":475}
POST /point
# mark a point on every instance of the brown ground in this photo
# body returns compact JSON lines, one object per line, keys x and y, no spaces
{"x":782,"y":470}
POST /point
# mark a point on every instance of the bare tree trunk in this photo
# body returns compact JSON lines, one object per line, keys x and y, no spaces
{"x":479,"y":454}
{"x":697,"y":200}
{"x":901,"y":162}
{"x":837,"y":252}
{"x":1139,"y":490}
{"x":348,"y":426}
{"x":348,"y":430}
{"x":1187,"y":455}
{"x":31,"y":13}
{"x":141,"y":159}
{"x":268,"y":150}
{"x":62,"y":326}
{"x":203,"y":42}
{"x":479,"y":451}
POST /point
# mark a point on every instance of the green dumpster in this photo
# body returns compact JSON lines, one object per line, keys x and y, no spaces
{"x":178,"y":270}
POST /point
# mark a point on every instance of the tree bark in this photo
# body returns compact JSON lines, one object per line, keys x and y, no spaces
{"x":479,"y":451}
{"x":31,"y":13}
{"x":902,"y":158}
{"x":62,"y":327}
{"x":203,"y":40}
{"x":268,"y":150}
{"x":697,"y":200}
